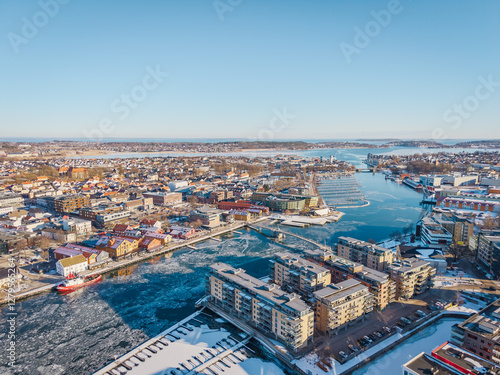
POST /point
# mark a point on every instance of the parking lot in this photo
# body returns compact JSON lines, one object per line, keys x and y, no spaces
{"x":371,"y":331}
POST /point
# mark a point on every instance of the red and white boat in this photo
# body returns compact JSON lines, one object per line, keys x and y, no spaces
{"x":74,"y":282}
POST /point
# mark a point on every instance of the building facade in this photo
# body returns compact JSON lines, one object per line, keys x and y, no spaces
{"x":339,"y":305}
{"x":298,"y":275}
{"x":370,"y":255}
{"x":480,"y":333}
{"x":274,"y":312}
{"x":412,"y":276}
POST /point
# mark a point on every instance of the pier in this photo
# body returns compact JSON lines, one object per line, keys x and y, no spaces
{"x":343,"y":192}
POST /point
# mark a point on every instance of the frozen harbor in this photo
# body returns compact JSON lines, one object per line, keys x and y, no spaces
{"x":83,"y":331}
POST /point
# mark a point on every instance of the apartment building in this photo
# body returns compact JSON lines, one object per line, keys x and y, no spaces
{"x":102,"y":220}
{"x":339,"y":305}
{"x":378,"y":283}
{"x":164,"y":199}
{"x":208,"y":216}
{"x":449,"y":359}
{"x":462,"y":230}
{"x":486,"y":242}
{"x":90,"y":213}
{"x":79,"y":226}
{"x":70,"y":203}
{"x":298,"y":275}
{"x":276,"y":313}
{"x":412,"y":276}
{"x":370,"y":255}
{"x":10,"y":199}
{"x":480,"y":333}
{"x":436,"y":231}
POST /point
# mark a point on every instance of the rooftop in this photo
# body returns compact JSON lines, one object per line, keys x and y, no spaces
{"x":270,"y":292}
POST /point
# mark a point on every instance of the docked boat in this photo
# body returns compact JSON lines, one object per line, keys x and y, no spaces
{"x":77,"y":282}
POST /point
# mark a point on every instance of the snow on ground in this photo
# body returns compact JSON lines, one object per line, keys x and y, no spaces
{"x":254,"y":366}
{"x":469,"y":307}
{"x":405,"y":240}
{"x":191,"y":343}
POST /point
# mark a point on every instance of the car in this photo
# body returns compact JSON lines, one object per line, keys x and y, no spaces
{"x":368,"y":339}
{"x":380,"y":334}
{"x":353,"y":348}
{"x":405,"y":320}
{"x":387,"y":329}
{"x":343,"y":355}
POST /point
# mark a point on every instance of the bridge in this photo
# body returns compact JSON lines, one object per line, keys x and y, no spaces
{"x":274,"y":231}
{"x":365,"y":170}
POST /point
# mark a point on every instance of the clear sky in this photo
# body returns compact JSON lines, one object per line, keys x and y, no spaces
{"x":256,"y":69}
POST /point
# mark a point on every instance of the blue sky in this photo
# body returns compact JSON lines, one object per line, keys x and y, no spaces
{"x":255,"y":69}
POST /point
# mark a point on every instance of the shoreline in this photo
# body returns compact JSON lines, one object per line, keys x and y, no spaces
{"x":127,"y":262}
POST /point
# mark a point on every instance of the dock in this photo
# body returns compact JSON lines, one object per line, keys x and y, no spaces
{"x":343,"y":191}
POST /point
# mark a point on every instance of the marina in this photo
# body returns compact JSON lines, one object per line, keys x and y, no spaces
{"x":341,"y":192}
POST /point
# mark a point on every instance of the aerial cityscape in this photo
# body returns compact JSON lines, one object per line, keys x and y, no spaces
{"x":240,"y":188}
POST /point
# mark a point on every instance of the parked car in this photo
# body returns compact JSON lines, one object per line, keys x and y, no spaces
{"x":353,"y":348}
{"x":368,"y":339}
{"x":343,"y":355}
{"x":387,"y":329}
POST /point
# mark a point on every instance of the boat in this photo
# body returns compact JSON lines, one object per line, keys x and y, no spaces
{"x":74,"y":282}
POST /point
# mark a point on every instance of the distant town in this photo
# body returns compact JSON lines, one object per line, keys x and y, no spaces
{"x":74,"y":148}
{"x":65,"y":222}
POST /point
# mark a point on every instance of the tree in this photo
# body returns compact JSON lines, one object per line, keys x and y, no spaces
{"x":395,"y":234}
{"x":489,"y":223}
{"x":458,"y":250}
{"x":193,"y":199}
{"x":196,"y":224}
{"x":408,"y":229}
